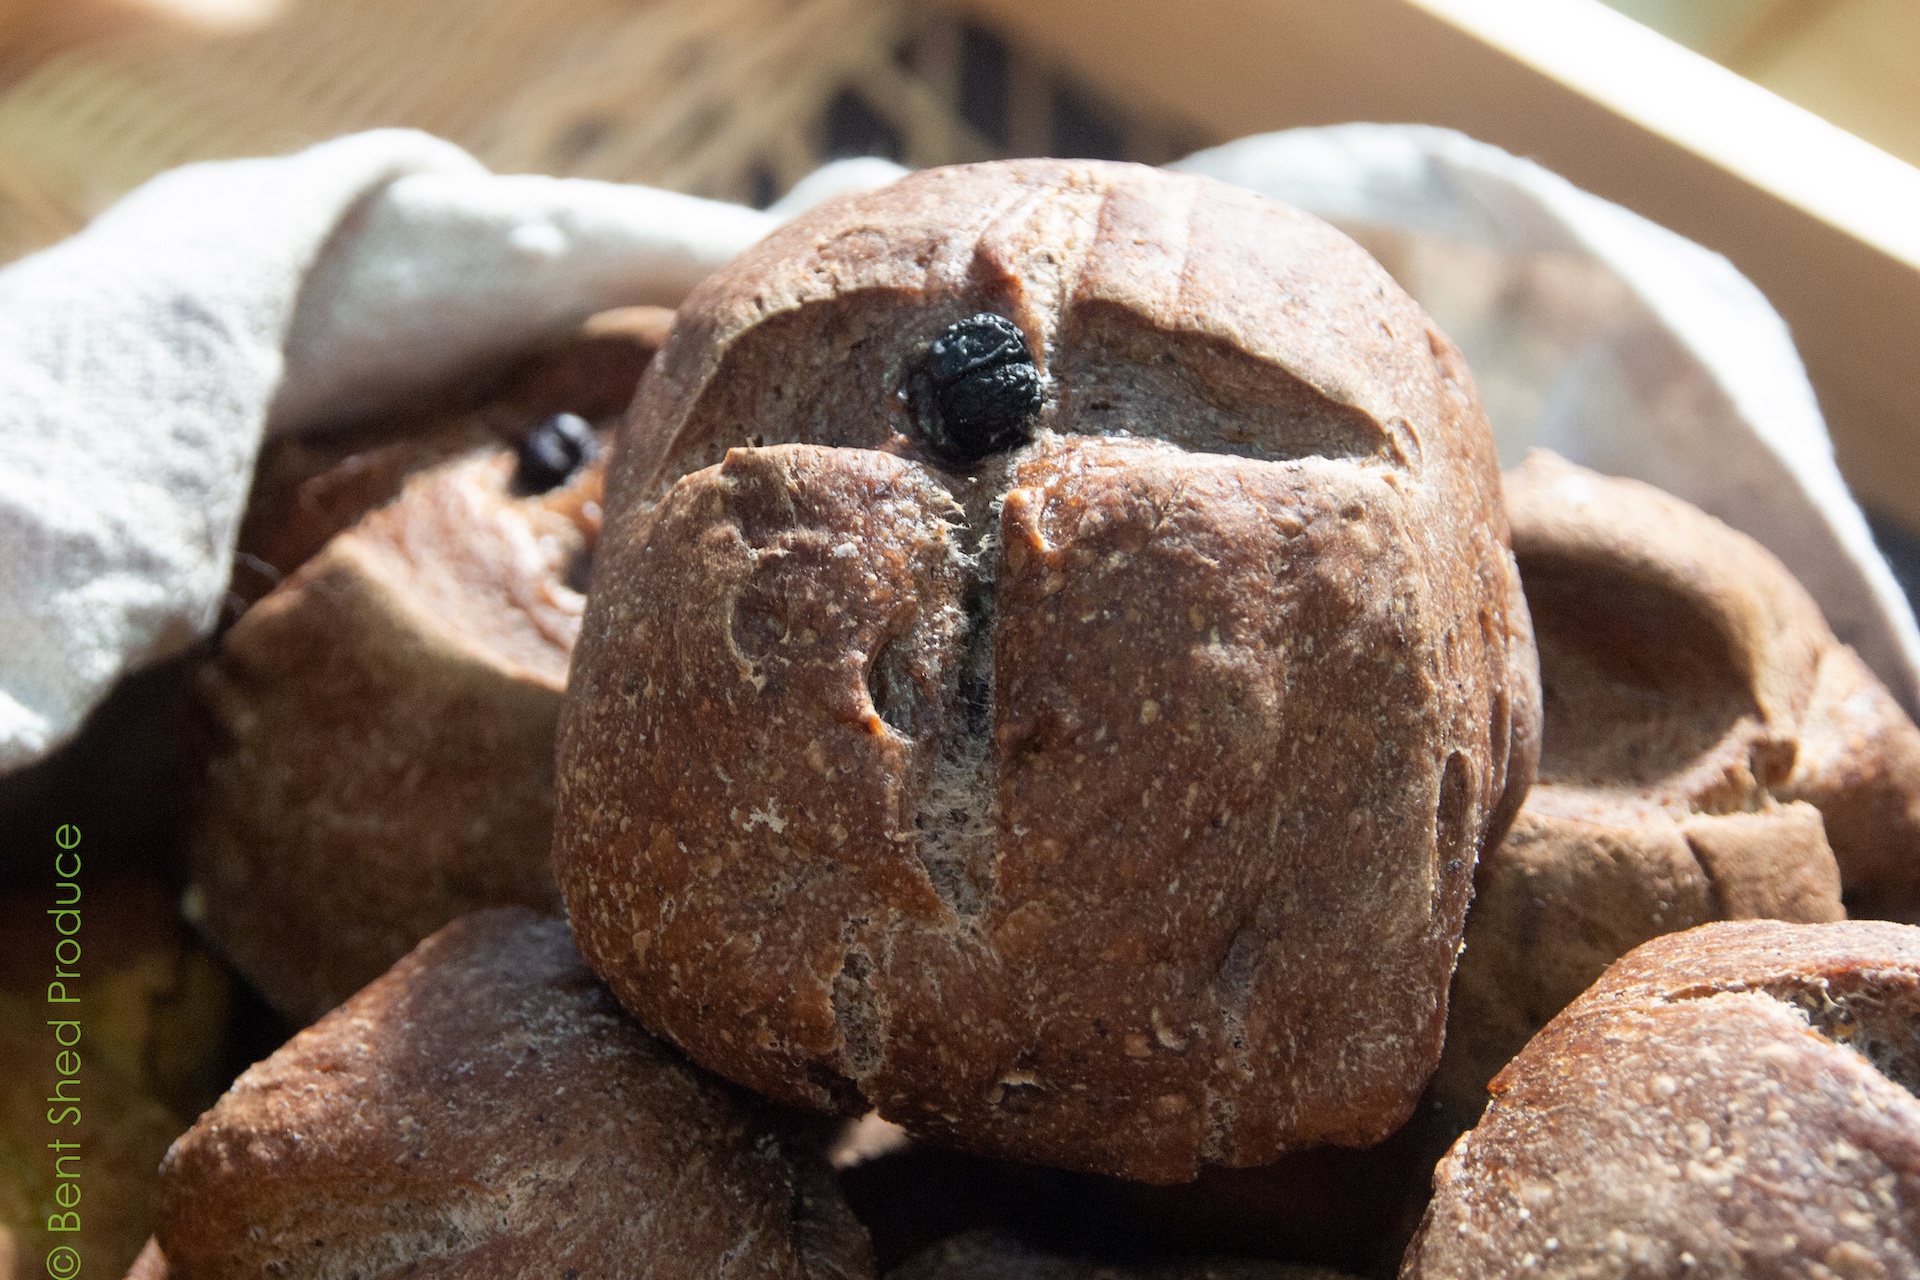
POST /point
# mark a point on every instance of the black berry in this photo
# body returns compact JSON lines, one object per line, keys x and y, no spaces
{"x":555,"y":450}
{"x":976,"y":390}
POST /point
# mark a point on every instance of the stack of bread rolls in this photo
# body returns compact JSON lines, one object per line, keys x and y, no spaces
{"x":1052,"y":674}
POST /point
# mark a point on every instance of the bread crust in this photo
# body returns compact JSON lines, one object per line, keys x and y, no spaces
{"x":1725,"y":1101}
{"x":1706,"y":736}
{"x":1110,"y":803}
{"x":485,"y":1109}
{"x":1761,"y":702}
{"x":1859,"y":764}
{"x":381,"y":730}
{"x":309,"y":487}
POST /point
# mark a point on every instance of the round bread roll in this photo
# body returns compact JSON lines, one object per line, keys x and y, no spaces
{"x":1053,"y":660}
{"x":382,"y":730}
{"x":485,"y":1109}
{"x":1690,"y":714}
{"x":1730,"y":1101}
{"x":1691,"y":669}
{"x":382,"y":724}
{"x":985,"y":1255}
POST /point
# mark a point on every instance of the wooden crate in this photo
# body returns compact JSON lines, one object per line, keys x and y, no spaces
{"x":1854,"y":62}
{"x":730,"y":98}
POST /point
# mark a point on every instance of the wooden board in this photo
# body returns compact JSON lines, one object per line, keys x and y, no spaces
{"x":736,"y":99}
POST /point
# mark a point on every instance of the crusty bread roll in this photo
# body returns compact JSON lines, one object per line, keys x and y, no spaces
{"x":381,"y":742}
{"x":1859,"y":763}
{"x":1054,"y":658}
{"x":1730,"y":1101}
{"x":1694,"y":670}
{"x":485,"y":1109}
{"x":984,"y":1255}
{"x":1580,"y":881}
{"x":382,"y":730}
{"x":1689,"y":715}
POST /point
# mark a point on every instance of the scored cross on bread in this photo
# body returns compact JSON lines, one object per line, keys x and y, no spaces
{"x":1052,"y":661}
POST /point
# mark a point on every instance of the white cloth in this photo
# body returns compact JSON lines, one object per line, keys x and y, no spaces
{"x":1606,"y":338}
{"x":440,"y":270}
{"x":139,"y":361}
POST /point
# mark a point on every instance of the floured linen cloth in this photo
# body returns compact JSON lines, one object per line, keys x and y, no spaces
{"x":1606,"y":338}
{"x":143,"y":361}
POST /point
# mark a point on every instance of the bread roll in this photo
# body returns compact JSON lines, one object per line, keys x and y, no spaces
{"x":1681,"y":667}
{"x":1694,"y":670}
{"x":1053,"y":661}
{"x":485,"y":1109}
{"x":1730,"y":1101}
{"x":382,"y":731}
